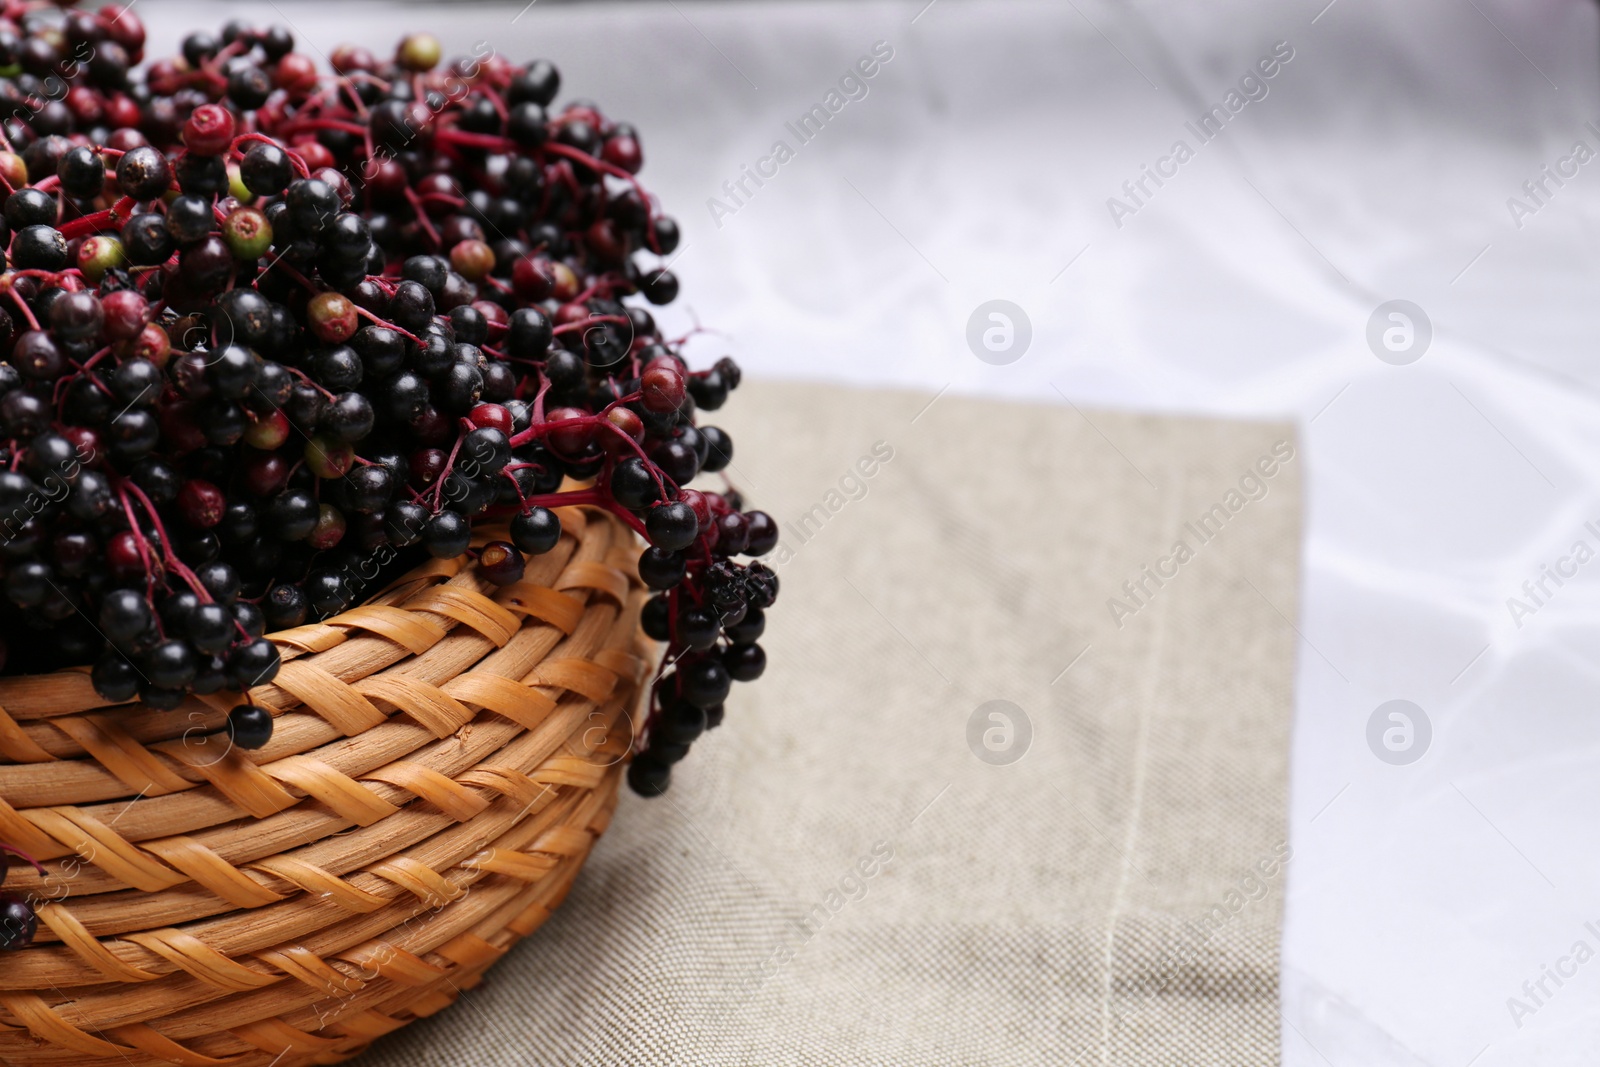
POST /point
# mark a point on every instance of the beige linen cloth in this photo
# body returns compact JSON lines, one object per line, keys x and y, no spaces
{"x":871,"y":862}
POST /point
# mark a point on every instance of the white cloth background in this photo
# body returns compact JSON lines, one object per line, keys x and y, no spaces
{"x":1378,"y":167}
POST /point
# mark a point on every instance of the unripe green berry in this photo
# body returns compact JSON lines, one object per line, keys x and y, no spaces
{"x":248,"y":233}
{"x":419,"y":52}
{"x":327,"y":458}
{"x":98,"y":254}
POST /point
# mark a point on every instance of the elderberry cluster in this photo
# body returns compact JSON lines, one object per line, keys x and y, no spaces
{"x":272,"y":335}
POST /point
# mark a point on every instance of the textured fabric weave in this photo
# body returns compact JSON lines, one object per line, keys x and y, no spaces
{"x":855,"y":868}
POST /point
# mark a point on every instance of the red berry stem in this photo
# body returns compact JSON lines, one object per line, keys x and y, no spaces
{"x":309,"y":125}
{"x":370,"y":317}
{"x":580,"y":156}
{"x":27,"y":312}
{"x":294,"y":157}
{"x":593,"y":497}
{"x":176,"y":565}
{"x":422,"y":217}
{"x":449,"y":465}
{"x":139,"y":541}
{"x":584,"y":324}
{"x":25,"y":858}
{"x":100,"y":221}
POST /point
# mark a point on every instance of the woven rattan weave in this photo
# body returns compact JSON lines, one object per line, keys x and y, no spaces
{"x":444,"y":757}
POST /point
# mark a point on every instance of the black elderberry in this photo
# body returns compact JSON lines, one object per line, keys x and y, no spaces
{"x":677,"y":460}
{"x":663,"y":751}
{"x":133,"y":434}
{"x":710,"y":392}
{"x":633,"y":484}
{"x":565,"y":369}
{"x":114,"y":678}
{"x":250,"y":726}
{"x":536,"y":531}
{"x":526,"y":125}
{"x":697,"y":627}
{"x":327,"y":592}
{"x":748,"y":629}
{"x":672,"y":526}
{"x":82,"y":172}
{"x":446,"y":535}
{"x":202,"y":176}
{"x":210,"y":675}
{"x":255,"y":663}
{"x":348,"y":235}
{"x":349,"y":417}
{"x":199,"y":47}
{"x":530,"y":334}
{"x":744,"y":662}
{"x":248,"y":87}
{"x":313,"y":203}
{"x":655,"y":618}
{"x":661,"y":569}
{"x":249,"y":618}
{"x":276,"y":42}
{"x":460,"y":389}
{"x":170,"y":665}
{"x":666,"y":234}
{"x":143,"y":173}
{"x":404,"y":523}
{"x":704,"y":682}
{"x":242,"y":315}
{"x":501,"y":563}
{"x":487,"y":449}
{"x":23,"y":414}
{"x":366,"y":489}
{"x":124,"y":614}
{"x":190,"y":219}
{"x":337,"y":369}
{"x":428,"y":271}
{"x":649,"y":777}
{"x":147,"y":240}
{"x":434,"y":356}
{"x":30,"y":207}
{"x":210,"y":628}
{"x":680,"y":722}
{"x":231,"y":372}
{"x":404,"y":396}
{"x":265,"y":170}
{"x":284,"y":607}
{"x":718,"y":450}
{"x":43,"y":155}
{"x":660,"y":287}
{"x":411,"y":307}
{"x":220,"y":580}
{"x":293,"y":514}
{"x":39,"y":248}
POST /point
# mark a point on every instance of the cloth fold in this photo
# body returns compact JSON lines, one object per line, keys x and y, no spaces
{"x":1011,"y":791}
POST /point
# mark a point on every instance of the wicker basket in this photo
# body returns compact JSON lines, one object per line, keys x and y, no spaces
{"x":443,"y":759}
